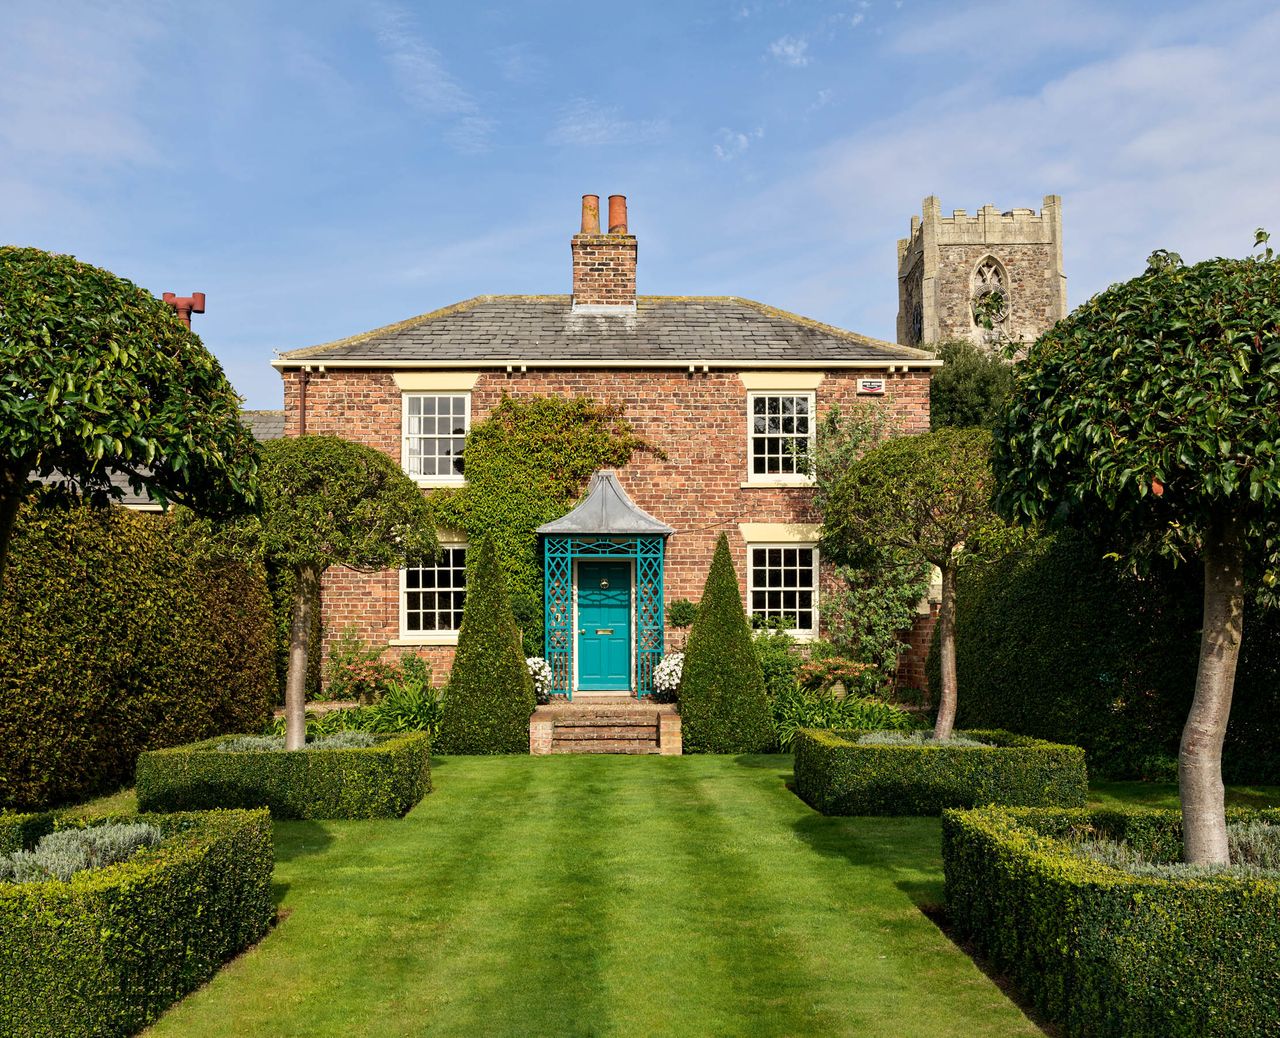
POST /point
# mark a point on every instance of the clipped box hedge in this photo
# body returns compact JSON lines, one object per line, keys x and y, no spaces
{"x":106,"y":953}
{"x":1104,"y":952}
{"x":380,"y":781}
{"x":839,"y":776}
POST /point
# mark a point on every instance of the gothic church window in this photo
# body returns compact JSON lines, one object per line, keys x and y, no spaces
{"x":990,"y":295}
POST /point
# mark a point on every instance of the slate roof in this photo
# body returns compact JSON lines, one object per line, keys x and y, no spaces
{"x":664,"y":331}
{"x":606,"y":510}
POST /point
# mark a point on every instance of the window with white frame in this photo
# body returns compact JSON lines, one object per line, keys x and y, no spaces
{"x":780,"y":435}
{"x":435,"y":433}
{"x":434,"y":593}
{"x":783,"y":584}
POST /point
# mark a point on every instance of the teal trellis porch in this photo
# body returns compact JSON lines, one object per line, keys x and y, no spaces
{"x":607,"y":525}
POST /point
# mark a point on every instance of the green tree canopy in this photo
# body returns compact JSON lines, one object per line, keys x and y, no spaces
{"x":927,"y":496}
{"x":971,"y":388}
{"x":723,"y":705}
{"x":1151,"y":416}
{"x":98,"y":376}
{"x":328,"y":502}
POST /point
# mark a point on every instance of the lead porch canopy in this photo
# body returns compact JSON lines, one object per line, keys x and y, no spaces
{"x":607,"y":524}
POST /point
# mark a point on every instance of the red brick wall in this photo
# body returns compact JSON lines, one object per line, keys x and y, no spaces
{"x":911,"y":672}
{"x":700,"y":421}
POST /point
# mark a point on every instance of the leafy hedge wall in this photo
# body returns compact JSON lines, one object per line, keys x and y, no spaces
{"x":1060,"y":643}
{"x":380,"y":781}
{"x":104,"y":954}
{"x":115,"y":638}
{"x":1105,"y":952}
{"x":19,"y":831}
{"x":839,"y":776}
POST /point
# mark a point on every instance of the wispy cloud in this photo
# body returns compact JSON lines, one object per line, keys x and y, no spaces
{"x":425,"y":82}
{"x":71,"y":85}
{"x":587,"y":123}
{"x":790,"y":50}
{"x":519,"y":63}
{"x":732,"y":144}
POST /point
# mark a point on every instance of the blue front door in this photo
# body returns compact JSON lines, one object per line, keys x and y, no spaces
{"x":604,"y":626}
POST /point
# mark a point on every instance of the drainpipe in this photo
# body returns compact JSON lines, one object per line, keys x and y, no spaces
{"x":304,"y":375}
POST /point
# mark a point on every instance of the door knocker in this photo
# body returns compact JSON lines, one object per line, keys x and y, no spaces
{"x":604,"y":585}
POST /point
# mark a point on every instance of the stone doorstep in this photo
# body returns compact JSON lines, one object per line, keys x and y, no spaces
{"x":616,"y":726}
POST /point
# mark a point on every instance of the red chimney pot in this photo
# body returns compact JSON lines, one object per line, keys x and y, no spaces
{"x":617,"y":214}
{"x":185,"y":305}
{"x":590,"y":214}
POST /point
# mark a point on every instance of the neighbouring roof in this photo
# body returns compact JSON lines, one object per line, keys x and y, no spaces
{"x":662,"y":331}
{"x":606,"y":510}
{"x":265,"y":425}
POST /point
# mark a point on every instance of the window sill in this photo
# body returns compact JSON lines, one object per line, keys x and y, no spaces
{"x":773,"y":484}
{"x":433,"y":483}
{"x":444,"y":638}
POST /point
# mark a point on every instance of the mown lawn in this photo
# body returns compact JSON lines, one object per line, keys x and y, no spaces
{"x":605,"y":896}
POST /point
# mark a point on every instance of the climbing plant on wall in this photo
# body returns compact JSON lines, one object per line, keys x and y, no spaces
{"x":527,"y":463}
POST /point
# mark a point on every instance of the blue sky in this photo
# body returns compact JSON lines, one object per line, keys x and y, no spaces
{"x":319,"y":169}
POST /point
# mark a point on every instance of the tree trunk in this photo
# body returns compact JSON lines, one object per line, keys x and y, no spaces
{"x":306,"y":604}
{"x":13,"y":488}
{"x":1204,"y":821}
{"x":947,"y":650}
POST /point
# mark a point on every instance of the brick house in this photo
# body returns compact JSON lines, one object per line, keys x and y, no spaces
{"x":729,"y":388}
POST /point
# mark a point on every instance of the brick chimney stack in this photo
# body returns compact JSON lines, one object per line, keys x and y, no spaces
{"x":604,"y":265}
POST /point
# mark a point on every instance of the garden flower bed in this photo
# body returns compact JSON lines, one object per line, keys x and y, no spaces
{"x":105,"y":951}
{"x":839,"y":775}
{"x":381,"y":780}
{"x":1154,"y":950}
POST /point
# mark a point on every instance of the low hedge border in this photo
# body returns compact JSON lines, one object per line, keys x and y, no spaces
{"x":21,"y":831}
{"x":380,"y":781}
{"x":104,"y":954}
{"x":1105,"y":952}
{"x":839,"y":776}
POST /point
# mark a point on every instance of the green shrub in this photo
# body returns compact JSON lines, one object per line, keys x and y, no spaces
{"x":971,"y":388}
{"x":803,"y":708}
{"x":779,"y":662}
{"x":114,"y":638}
{"x":723,"y":706}
{"x":1102,"y":951}
{"x":1062,"y":644}
{"x":490,"y":694}
{"x":840,"y":776}
{"x":681,"y":612}
{"x":380,"y":781}
{"x":104,"y":954}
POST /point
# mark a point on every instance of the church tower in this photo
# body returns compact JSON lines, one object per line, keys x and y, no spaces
{"x":1006,"y":265}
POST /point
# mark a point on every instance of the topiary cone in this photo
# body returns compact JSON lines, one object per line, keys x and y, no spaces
{"x":490,"y":694}
{"x":723,"y":706}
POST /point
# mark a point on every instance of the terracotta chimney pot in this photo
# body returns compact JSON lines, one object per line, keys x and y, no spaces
{"x":590,"y":214}
{"x":617,"y":214}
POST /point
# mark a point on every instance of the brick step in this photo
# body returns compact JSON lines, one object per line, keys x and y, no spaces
{"x":604,"y":746}
{"x":648,"y":732}
{"x":624,"y":721}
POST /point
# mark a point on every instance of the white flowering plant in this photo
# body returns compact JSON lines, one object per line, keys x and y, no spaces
{"x":666,"y":676}
{"x":540,"y":671}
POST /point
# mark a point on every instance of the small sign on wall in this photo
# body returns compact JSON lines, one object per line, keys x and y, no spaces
{"x":870,"y":387}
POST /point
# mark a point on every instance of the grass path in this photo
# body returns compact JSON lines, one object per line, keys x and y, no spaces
{"x":605,"y":896}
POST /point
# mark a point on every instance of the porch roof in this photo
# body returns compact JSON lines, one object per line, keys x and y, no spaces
{"x":607,"y":511}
